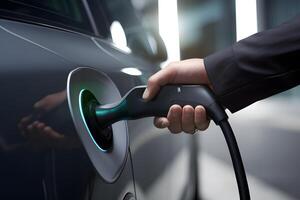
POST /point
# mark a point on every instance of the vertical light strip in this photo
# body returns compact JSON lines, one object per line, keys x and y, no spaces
{"x":168,"y":27}
{"x":246,"y":18}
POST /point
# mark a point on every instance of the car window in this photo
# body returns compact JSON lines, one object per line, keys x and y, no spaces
{"x":124,"y":26}
{"x":68,"y":14}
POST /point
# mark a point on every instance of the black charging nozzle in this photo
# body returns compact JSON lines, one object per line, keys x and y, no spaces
{"x":133,"y":106}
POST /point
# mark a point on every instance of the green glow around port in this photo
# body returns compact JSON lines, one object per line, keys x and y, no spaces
{"x":85,"y":124}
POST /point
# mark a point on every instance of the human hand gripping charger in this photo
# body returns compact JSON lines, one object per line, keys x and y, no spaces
{"x":132,"y":106}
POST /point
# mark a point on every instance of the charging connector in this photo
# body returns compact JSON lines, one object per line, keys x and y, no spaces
{"x":133,"y":106}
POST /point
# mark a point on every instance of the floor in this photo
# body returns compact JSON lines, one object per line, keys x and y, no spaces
{"x":268,"y":134}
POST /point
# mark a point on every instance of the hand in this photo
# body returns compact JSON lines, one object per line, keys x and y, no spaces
{"x":41,"y":135}
{"x":187,"y":119}
{"x":50,"y":101}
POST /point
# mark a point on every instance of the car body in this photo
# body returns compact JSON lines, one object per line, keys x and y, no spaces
{"x":41,"y":156}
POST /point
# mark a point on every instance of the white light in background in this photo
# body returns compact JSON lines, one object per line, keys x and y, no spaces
{"x":168,"y":27}
{"x":246,"y":18}
{"x":131,"y":71}
{"x":118,"y":36}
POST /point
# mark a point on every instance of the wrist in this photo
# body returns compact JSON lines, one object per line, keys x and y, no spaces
{"x":203,"y":74}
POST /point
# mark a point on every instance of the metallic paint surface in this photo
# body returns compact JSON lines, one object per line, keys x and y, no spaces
{"x":59,"y":168}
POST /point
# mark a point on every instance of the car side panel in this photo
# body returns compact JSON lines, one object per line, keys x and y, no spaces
{"x":34,"y":65}
{"x":38,"y":164}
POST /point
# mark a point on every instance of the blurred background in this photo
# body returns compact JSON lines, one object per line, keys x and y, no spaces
{"x":268,"y":131}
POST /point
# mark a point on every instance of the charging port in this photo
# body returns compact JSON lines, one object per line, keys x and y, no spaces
{"x":102,"y":137}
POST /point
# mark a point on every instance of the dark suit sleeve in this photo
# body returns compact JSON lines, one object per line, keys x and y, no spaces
{"x":257,"y":67}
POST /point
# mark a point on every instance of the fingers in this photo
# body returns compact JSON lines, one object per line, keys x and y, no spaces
{"x":161,"y":122}
{"x":174,"y":117}
{"x":186,"y":119}
{"x":24,"y":122}
{"x":201,"y":121}
{"x":52,"y":134}
{"x":50,"y":101}
{"x":190,"y":71}
{"x":40,"y":126}
{"x":188,"y":125}
{"x":33,"y":129}
{"x":159,"y":79}
{"x":42,"y":130}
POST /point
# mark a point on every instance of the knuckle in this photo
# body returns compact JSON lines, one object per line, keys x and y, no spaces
{"x":201,"y":110}
{"x":203,"y":126}
{"x":156,"y":124}
{"x":191,"y":131}
{"x":174,"y":130}
{"x":151,"y":81}
{"x":156,"y":121}
{"x":188,"y":109}
{"x":159,"y":125}
{"x":47,"y":128}
{"x":188,"y":130}
{"x":176,"y":108}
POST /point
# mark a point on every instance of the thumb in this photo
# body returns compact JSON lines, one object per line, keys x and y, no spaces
{"x":161,"y":78}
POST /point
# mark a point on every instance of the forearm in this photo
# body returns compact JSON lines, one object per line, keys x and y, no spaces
{"x":257,"y":67}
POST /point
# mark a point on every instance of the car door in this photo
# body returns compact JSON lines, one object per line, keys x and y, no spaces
{"x":41,"y":154}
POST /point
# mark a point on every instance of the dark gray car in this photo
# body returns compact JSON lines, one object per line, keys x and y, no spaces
{"x":41,"y":155}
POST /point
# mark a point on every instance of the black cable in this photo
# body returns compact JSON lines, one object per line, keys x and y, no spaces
{"x":132,"y":106}
{"x":236,"y":159}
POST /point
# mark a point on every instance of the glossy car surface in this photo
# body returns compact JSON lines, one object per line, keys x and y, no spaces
{"x":41,"y":155}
